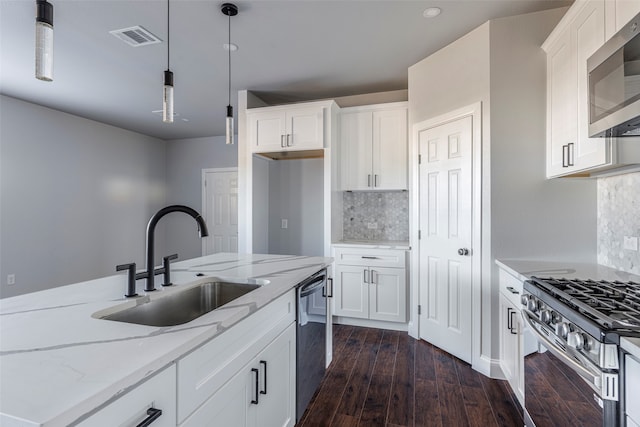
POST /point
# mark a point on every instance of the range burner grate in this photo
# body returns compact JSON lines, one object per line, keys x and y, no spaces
{"x":613,"y":305}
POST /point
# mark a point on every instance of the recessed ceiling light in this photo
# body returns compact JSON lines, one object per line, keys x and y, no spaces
{"x":231,"y":46}
{"x":431,"y":12}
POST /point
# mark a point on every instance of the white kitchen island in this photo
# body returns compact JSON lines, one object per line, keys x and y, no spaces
{"x":59,"y":365}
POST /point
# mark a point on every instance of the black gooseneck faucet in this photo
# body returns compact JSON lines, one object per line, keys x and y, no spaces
{"x":151,"y":228}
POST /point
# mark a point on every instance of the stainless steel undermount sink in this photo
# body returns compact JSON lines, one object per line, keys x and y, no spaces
{"x":179,"y":306}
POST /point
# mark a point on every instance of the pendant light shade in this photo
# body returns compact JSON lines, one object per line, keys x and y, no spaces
{"x":44,"y":40}
{"x":167,"y":88}
{"x":229,"y":10}
{"x":167,"y":97}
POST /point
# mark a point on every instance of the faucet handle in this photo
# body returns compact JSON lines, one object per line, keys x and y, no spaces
{"x":165,"y":266}
{"x":131,"y":278}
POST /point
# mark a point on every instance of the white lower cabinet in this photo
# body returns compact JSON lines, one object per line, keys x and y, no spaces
{"x":511,"y":333}
{"x":261,"y":394}
{"x":154,"y":401}
{"x":370,"y":284}
{"x":253,"y":362}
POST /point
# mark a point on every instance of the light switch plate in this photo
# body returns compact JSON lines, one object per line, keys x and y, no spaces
{"x":630,"y":243}
{"x":372,"y":225}
{"x":285,"y":223}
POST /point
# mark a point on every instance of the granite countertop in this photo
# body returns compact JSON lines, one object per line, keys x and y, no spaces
{"x":58,"y":363}
{"x":524,"y":269}
{"x":374,"y":244}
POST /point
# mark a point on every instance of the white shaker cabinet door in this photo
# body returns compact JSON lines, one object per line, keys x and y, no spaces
{"x":305,"y":128}
{"x":351,"y":293}
{"x":267,"y":131}
{"x":390,"y":149}
{"x":387,"y":294}
{"x":356,"y":154}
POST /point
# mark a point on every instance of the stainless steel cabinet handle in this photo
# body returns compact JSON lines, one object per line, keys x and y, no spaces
{"x":369,"y":257}
{"x":289,"y":140}
{"x":565,"y":156}
{"x":570,"y":150}
{"x":375,"y":180}
{"x":282,"y":143}
{"x":513,"y":290}
{"x":330,"y":280}
{"x":366,"y":276}
{"x":509,"y":318}
{"x":374,"y":277}
{"x":152,"y":415}
{"x":264,"y":363}
{"x":369,"y":180}
{"x":257,"y":372}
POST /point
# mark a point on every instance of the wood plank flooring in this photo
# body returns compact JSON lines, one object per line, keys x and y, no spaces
{"x":386,"y":378}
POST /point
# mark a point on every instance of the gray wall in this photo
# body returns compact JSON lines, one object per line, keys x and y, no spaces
{"x":260,"y":214}
{"x":185,"y":160}
{"x":524,"y":215}
{"x":296,"y":193}
{"x":75,"y":198}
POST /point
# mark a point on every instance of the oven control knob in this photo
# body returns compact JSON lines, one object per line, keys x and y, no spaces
{"x":545,"y":316}
{"x":575,"y":340}
{"x":524,"y":299}
{"x":563,"y":329}
{"x":555,"y":317}
{"x":533,"y":305}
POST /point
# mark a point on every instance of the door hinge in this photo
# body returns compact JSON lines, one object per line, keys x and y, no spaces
{"x":419,"y":309}
{"x":419,"y":159}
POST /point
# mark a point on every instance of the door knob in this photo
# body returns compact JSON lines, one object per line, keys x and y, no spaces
{"x":463,"y":251}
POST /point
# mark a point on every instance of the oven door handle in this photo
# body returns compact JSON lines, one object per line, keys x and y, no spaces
{"x":593,"y":379}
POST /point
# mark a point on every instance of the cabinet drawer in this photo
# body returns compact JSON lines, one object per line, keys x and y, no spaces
{"x":208,"y":368}
{"x":370,"y":257}
{"x":510,"y":287}
{"x":158,"y":392}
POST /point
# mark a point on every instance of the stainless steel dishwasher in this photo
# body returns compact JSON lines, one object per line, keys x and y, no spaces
{"x":311,"y":338}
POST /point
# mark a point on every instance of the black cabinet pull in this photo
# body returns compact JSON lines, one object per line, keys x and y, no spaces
{"x":509,"y":318}
{"x":570,"y":151}
{"x":257,"y":372}
{"x":152,"y":415}
{"x":511,"y":321}
{"x":565,"y":156}
{"x":264,"y":363}
{"x":513,"y":290}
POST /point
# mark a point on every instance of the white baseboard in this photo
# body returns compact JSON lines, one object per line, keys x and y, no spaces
{"x":489,"y":367}
{"x":366,"y":323}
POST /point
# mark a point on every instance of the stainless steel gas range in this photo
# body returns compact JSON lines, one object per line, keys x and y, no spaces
{"x":576,"y":375}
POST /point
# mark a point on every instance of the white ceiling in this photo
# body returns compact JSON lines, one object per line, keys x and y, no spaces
{"x":288,"y":51}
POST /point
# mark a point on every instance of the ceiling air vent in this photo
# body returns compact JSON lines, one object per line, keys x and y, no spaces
{"x":136,"y":36}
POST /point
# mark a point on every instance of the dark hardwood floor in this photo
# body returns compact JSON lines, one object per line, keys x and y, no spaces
{"x":386,"y":378}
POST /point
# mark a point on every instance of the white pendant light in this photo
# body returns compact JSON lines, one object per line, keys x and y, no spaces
{"x":167,"y":89}
{"x":229,"y":10}
{"x":44,"y":40}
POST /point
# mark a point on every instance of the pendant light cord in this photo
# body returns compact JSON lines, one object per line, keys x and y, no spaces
{"x":229,"y":48}
{"x":168,"y":37}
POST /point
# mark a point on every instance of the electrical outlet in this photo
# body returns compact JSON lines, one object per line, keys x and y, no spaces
{"x":11,"y":279}
{"x":630,"y":243}
{"x":285,"y":223}
{"x":372,"y":226}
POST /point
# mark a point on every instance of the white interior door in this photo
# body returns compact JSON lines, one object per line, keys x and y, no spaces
{"x":220,"y":210}
{"x":445,"y":175}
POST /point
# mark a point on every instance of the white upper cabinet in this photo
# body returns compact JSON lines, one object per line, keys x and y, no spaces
{"x":294,"y":127}
{"x":373,"y":147}
{"x":569,"y":149}
{"x":585,"y":28}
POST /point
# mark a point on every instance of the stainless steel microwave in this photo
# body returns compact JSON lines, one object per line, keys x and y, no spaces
{"x":614,"y":84}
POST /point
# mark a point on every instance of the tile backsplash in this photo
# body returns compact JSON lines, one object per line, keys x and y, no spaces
{"x":619,"y":217}
{"x":387,"y":211}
